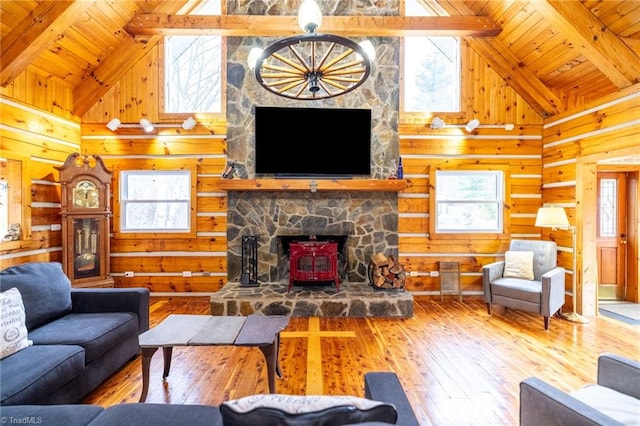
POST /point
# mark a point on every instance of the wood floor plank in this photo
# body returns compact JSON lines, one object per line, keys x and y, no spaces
{"x":458,"y":364}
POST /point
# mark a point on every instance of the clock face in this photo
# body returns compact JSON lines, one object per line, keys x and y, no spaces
{"x":85,"y":194}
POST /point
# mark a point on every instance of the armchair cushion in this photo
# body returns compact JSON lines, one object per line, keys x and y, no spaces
{"x":617,"y":405}
{"x":518,"y":264}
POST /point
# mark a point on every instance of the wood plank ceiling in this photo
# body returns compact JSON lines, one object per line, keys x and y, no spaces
{"x":555,"y":53}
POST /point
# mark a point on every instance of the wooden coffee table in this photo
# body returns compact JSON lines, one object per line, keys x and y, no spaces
{"x":206,"y":330}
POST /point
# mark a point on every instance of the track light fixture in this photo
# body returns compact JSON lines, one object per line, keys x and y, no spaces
{"x":146,"y":125}
{"x":113,"y":124}
{"x":437,"y":123}
{"x":189,"y":123}
{"x":472,"y":125}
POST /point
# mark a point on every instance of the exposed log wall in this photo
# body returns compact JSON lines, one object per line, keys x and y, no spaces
{"x":532,"y":155}
{"x":40,"y":140}
{"x":573,"y":142}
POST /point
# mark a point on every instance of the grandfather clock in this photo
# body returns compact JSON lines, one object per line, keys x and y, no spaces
{"x":86,"y":192}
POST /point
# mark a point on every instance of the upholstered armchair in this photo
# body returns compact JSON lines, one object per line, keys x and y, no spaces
{"x":528,"y":279}
{"x":613,"y":399}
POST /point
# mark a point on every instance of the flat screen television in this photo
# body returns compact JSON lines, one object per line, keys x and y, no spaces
{"x":312,"y":142}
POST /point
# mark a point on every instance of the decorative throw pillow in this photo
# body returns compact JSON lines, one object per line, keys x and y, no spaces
{"x":285,"y":410}
{"x":518,"y":264}
{"x":13,"y":330}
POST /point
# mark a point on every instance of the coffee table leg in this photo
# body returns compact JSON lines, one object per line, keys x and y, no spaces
{"x":147,"y":354}
{"x":167,"y":351}
{"x":271,"y":357}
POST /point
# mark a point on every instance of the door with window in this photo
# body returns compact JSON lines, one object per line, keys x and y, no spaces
{"x":611,"y":241}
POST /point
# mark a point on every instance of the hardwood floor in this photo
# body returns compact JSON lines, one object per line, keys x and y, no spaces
{"x":458,"y":365}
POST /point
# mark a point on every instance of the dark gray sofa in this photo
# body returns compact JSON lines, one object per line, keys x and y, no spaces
{"x":379,"y":386}
{"x":80,"y":336}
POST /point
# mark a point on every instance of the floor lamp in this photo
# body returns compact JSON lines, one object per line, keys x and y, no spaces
{"x":556,"y":218}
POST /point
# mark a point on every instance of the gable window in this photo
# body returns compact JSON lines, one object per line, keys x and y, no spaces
{"x":469,"y":201}
{"x":193,"y":69}
{"x":155,"y":201}
{"x":431,"y":69}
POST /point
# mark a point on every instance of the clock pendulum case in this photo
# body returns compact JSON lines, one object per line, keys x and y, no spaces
{"x":86,"y":211}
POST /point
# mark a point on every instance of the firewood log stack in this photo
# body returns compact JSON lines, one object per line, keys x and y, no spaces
{"x":385,"y":272}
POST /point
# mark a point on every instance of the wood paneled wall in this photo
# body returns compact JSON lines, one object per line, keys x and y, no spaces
{"x":424,"y":150}
{"x":543,"y":163}
{"x":40,"y":140}
{"x":573,"y":143}
{"x":158,"y":261}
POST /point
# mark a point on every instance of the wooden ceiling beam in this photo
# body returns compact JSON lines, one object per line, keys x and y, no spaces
{"x":617,"y":61}
{"x":35,"y":33}
{"x":352,"y":26}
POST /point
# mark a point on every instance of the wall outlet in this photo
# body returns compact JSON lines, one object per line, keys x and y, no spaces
{"x":434,"y":274}
{"x":413,"y":273}
{"x":186,"y":273}
{"x":128,"y":274}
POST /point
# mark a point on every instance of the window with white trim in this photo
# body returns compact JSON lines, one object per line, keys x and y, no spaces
{"x":432,"y":80}
{"x":155,"y":201}
{"x":193,"y":69}
{"x":469,"y":201}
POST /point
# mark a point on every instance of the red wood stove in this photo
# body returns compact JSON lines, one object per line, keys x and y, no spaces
{"x":313,"y":261}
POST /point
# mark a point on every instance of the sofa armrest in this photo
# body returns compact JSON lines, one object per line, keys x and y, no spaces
{"x":385,"y":387}
{"x":619,"y":373}
{"x":552,"y":291}
{"x":543,"y":404}
{"x":136,"y":300}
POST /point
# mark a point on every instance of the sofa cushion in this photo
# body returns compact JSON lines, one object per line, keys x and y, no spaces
{"x":159,"y":414}
{"x":96,"y":333}
{"x":621,"y":407}
{"x":518,"y":264}
{"x":45,"y":290}
{"x":37,"y":371}
{"x":67,"y":415}
{"x":13,"y":331}
{"x":283,"y":410}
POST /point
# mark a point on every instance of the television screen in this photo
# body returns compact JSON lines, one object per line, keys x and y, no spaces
{"x":312,"y":142}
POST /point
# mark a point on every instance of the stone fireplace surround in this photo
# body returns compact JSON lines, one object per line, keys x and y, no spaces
{"x":368,"y":221}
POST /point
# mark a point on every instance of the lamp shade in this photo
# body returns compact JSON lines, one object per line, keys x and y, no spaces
{"x":552,"y":217}
{"x":309,"y":16}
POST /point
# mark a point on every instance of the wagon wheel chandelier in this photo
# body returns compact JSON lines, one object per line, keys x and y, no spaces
{"x":312,"y":66}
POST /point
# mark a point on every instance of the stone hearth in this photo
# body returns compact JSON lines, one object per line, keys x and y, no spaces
{"x":353,"y":300}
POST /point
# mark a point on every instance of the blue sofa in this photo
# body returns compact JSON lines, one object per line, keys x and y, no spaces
{"x":80,"y":336}
{"x":389,"y":406}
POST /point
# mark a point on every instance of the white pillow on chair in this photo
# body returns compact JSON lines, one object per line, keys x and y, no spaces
{"x":518,"y":264}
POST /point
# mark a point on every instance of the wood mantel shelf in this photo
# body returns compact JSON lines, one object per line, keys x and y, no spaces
{"x":389,"y":185}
